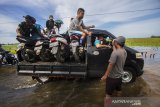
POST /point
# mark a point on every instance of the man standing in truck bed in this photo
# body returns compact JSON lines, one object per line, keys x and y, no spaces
{"x":77,"y":25}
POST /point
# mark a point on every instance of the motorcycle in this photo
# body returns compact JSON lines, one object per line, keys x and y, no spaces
{"x":42,"y":50}
{"x":7,"y":58}
{"x":25,"y":50}
{"x":59,"y":47}
{"x":78,"y":51}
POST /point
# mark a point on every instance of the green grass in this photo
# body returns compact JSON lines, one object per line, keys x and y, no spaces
{"x":143,"y":42}
{"x":11,"y":48}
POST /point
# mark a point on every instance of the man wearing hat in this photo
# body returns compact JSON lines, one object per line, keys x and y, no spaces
{"x":114,"y":72}
{"x":24,"y":28}
{"x":27,"y":29}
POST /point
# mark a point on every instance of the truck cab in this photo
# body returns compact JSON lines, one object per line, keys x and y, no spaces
{"x":97,"y":59}
{"x":94,"y":66}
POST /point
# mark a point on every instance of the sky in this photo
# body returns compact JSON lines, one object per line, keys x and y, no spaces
{"x":130,"y":24}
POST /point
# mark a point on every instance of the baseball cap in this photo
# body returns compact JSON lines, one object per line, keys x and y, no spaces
{"x":27,"y":17}
{"x":121,"y":40}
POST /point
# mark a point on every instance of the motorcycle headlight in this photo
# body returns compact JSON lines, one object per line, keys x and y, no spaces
{"x":139,"y":55}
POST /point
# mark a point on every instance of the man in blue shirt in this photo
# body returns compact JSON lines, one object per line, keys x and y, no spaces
{"x":101,"y":42}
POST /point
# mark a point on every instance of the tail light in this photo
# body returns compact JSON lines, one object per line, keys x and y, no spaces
{"x":53,"y":40}
{"x":74,"y":37}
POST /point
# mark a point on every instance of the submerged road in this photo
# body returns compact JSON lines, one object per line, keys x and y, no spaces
{"x":18,"y":91}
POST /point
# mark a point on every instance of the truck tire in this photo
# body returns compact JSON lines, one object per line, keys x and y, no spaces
{"x":42,"y":79}
{"x":129,"y":75}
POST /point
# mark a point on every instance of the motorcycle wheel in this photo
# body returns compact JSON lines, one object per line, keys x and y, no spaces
{"x":60,"y":55}
{"x":0,"y":63}
{"x":28,"y":55}
{"x":76,"y":55}
{"x":45,"y":55}
{"x":14,"y":62}
{"x":19,"y":56}
{"x":82,"y":55}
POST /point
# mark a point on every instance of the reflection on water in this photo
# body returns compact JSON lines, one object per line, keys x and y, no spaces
{"x":150,"y":50}
{"x":151,"y":67}
{"x":62,"y":93}
{"x":17,"y":91}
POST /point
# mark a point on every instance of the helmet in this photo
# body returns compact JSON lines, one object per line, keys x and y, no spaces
{"x":59,"y":22}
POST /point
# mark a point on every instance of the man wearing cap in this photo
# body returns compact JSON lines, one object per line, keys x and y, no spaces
{"x":114,"y":72}
{"x":26,"y":28}
{"x":50,"y":24}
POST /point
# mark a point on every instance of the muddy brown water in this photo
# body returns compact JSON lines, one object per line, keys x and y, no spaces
{"x":18,"y":91}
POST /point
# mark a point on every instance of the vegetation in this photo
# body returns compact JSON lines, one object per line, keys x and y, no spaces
{"x":155,"y":36}
{"x":10,"y":47}
{"x":143,"y":42}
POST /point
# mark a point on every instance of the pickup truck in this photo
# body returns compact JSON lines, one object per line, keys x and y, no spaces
{"x":94,"y":66}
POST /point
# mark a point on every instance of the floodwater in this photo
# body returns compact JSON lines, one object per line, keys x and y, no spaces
{"x":18,"y":91}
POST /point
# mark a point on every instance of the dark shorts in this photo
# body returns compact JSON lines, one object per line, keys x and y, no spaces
{"x":113,"y":84}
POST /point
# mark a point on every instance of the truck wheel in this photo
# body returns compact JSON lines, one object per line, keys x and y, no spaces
{"x":42,"y":79}
{"x":129,"y":75}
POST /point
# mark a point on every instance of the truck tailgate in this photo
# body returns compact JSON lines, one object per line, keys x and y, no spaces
{"x":52,"y":69}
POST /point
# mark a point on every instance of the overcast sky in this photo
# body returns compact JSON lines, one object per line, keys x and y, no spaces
{"x":130,"y":25}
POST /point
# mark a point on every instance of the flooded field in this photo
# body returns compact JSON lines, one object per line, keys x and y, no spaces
{"x":18,"y":91}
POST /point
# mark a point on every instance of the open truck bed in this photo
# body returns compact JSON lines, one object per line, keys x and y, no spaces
{"x":52,"y":69}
